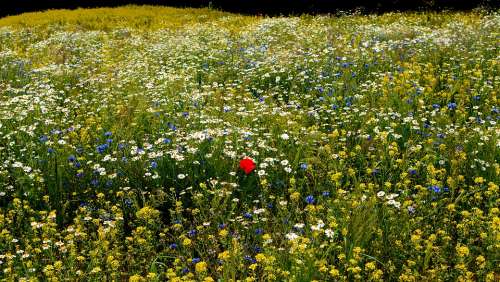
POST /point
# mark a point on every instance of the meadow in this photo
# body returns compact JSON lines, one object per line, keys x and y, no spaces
{"x":158,"y":144}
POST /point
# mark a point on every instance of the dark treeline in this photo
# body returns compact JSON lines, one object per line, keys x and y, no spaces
{"x":267,"y":7}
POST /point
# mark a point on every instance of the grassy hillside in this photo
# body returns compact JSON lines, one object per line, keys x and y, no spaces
{"x":155,"y":144}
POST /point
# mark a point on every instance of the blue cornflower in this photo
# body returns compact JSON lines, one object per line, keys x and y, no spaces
{"x":303,"y":166}
{"x":172,"y":126}
{"x":71,"y":158}
{"x":250,"y":259}
{"x":101,"y":148}
{"x":128,"y":202}
{"x":195,"y":260}
{"x":435,"y":188}
{"x":43,"y":138}
{"x":192,"y":233}
{"x":50,"y":150}
{"x":310,"y":199}
{"x":173,"y":246}
{"x":325,"y":194}
{"x":154,"y":164}
{"x":167,"y":141}
{"x":412,"y":171}
{"x":436,"y":106}
{"x":259,"y":231}
{"x":452,"y":106}
{"x":247,"y":215}
{"x":108,"y":133}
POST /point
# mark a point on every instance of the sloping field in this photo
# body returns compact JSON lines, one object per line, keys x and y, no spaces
{"x":155,"y":144}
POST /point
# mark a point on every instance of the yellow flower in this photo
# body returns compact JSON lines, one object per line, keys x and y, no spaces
{"x":295,"y":196}
{"x":260,"y":257}
{"x":186,"y":242}
{"x":135,"y":278}
{"x":370,"y":265}
{"x":223,"y":233}
{"x":462,"y":251}
{"x":479,"y":180}
{"x":334,"y":272}
{"x":201,"y":266}
{"x":147,"y":213}
{"x":224,"y":255}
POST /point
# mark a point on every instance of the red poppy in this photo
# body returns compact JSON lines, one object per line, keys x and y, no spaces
{"x":247,"y":165}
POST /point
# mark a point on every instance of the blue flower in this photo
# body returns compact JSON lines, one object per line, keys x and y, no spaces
{"x":43,"y":138}
{"x":101,"y":148}
{"x":310,"y":199}
{"x":250,"y":259}
{"x":167,"y":141}
{"x":259,"y":231}
{"x":173,"y":246}
{"x":128,"y":202}
{"x":71,"y":158}
{"x":303,"y":166}
{"x":108,"y":133}
{"x":195,"y":260}
{"x":192,"y":233}
{"x":436,"y":106}
{"x":452,"y":106}
{"x":154,"y":164}
{"x":325,"y":194}
{"x":434,"y":188}
{"x":247,"y":215}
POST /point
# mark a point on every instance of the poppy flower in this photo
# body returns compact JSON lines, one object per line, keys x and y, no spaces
{"x":247,"y":165}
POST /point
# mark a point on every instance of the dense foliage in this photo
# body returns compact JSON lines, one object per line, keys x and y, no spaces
{"x":268,"y":7}
{"x":154,"y":144}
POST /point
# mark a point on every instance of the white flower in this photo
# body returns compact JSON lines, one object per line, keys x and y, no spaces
{"x":291,"y":236}
{"x":329,"y":233}
{"x":285,"y":136}
{"x":299,"y":225}
{"x":181,"y":176}
{"x":380,"y":194}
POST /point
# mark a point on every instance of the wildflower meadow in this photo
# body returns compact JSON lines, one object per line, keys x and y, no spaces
{"x":157,"y":144}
